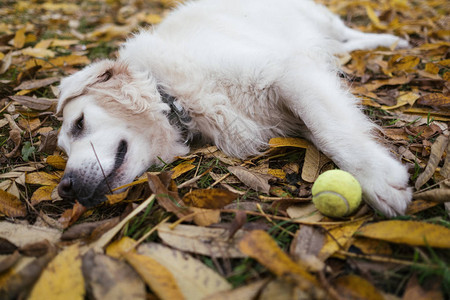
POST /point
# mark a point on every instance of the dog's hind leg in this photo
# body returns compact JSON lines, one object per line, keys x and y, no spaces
{"x":341,"y":131}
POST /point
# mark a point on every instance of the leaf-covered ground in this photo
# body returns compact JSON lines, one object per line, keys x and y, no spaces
{"x":219,"y":227}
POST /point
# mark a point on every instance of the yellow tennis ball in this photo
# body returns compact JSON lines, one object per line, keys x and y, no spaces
{"x":336,"y":193}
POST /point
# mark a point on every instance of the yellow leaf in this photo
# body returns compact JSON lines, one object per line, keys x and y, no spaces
{"x":259,"y":245}
{"x":63,"y":43}
{"x":38,"y":52}
{"x":404,"y":99}
{"x":374,"y":18}
{"x":69,"y":60}
{"x":43,"y":44}
{"x":408,"y":232}
{"x":29,"y":124}
{"x":368,"y":246}
{"x":432,"y":68}
{"x":11,"y":206}
{"x":205,"y":217}
{"x":277,"y":173}
{"x":403,"y":63}
{"x":119,"y":248}
{"x":1,"y":55}
{"x":62,"y":279}
{"x":288,"y":142}
{"x":160,"y":280}
{"x":56,"y":161}
{"x":355,"y":287}
{"x":153,"y":19}
{"x":182,"y":168}
{"x":19,"y":38}
{"x":41,"y":178}
{"x":44,"y":193}
{"x":209,"y":198}
{"x":67,"y":8}
{"x":338,"y":237}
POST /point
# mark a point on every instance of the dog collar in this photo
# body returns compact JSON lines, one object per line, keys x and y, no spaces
{"x":177,"y":116}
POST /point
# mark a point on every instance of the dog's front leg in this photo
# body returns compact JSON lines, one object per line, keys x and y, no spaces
{"x":341,"y":131}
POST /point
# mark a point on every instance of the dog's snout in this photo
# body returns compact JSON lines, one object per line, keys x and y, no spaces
{"x":65,"y":187}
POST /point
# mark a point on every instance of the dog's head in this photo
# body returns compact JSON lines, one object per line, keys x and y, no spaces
{"x":114,"y":127}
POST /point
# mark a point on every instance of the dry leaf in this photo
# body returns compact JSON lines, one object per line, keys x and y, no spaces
{"x":42,"y":178}
{"x":355,"y":287}
{"x":246,"y":292}
{"x":209,"y":198}
{"x":56,"y":161}
{"x":34,"y":84}
{"x":212,"y":242}
{"x":306,"y":246}
{"x":254,"y":180}
{"x":288,"y":142}
{"x":44,"y":193}
{"x":375,"y":247}
{"x":408,"y":232}
{"x":21,"y":234}
{"x":311,"y":166}
{"x":11,"y":206}
{"x":436,"y":195}
{"x":195,"y":280}
{"x":109,"y":278}
{"x":437,"y":149}
{"x":435,"y":100}
{"x":260,"y":246}
{"x":119,"y":248}
{"x":338,"y":238}
{"x":414,"y":290}
{"x":304,"y":212}
{"x":39,"y":104}
{"x":182,"y":168}
{"x":205,"y":217}
{"x":160,"y":280}
{"x":62,"y":278}
{"x":19,"y":38}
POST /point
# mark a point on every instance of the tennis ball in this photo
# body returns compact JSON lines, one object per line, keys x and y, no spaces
{"x":336,"y":193}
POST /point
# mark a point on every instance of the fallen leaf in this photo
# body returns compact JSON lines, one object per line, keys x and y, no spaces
{"x":259,"y":245}
{"x":435,"y":195}
{"x":311,"y":166}
{"x":304,"y":212}
{"x":306,"y":246}
{"x":374,"y":247}
{"x":414,"y":290}
{"x":109,"y":278}
{"x":437,"y":149}
{"x":62,"y":278}
{"x":56,"y":161}
{"x":19,"y":38}
{"x":355,"y":287}
{"x":158,"y":278}
{"x":412,"y":233}
{"x":119,"y":248}
{"x":21,"y":234}
{"x":34,"y":84}
{"x":254,"y":180}
{"x":212,"y":242}
{"x":39,"y":104}
{"x":44,"y":193}
{"x":339,"y":238}
{"x":288,"y":142}
{"x":435,"y":100}
{"x":11,"y":206}
{"x":182,"y":168}
{"x":195,"y":280}
{"x":38,"y":52}
{"x":71,"y":215}
{"x":205,"y":217}
{"x":42,"y":178}
{"x":209,"y":198}
{"x":246,"y":292}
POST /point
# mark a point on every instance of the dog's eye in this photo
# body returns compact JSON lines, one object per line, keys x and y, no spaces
{"x":79,"y":124}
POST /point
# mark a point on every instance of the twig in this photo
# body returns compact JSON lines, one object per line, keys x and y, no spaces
{"x":101,"y":168}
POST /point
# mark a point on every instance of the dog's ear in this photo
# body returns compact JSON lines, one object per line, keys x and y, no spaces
{"x":76,"y":85}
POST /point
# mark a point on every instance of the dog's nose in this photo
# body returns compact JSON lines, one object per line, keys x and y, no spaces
{"x":65,"y":188}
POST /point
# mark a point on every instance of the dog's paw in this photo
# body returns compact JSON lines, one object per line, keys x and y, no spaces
{"x":386,"y":189}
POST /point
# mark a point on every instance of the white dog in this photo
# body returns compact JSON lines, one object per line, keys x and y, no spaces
{"x":238,"y":73}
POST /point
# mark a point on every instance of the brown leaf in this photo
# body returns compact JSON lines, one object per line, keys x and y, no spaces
{"x":435,"y":195}
{"x":11,"y":206}
{"x":36,"y":249}
{"x":30,"y":124}
{"x":206,"y":241}
{"x":48,"y":143}
{"x":239,"y":220}
{"x":435,"y":100}
{"x":22,"y":235}
{"x":109,"y":278}
{"x":209,"y":198}
{"x":437,"y":150}
{"x":414,"y":290}
{"x":40,"y":104}
{"x":6,"y":247}
{"x":183,"y":168}
{"x":84,"y":230}
{"x":8,"y":262}
{"x":56,"y":161}
{"x":254,"y":180}
{"x":35,"y":84}
{"x":169,"y":200}
{"x":15,"y":136}
{"x":311,"y":166}
{"x":306,"y":246}
{"x":72,"y":215}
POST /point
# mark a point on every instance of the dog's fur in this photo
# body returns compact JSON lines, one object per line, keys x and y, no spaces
{"x":244,"y":71}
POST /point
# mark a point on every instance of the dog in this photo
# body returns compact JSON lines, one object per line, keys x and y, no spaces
{"x":235,"y":72}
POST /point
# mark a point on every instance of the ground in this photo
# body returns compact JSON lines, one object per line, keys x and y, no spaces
{"x":209,"y":225}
